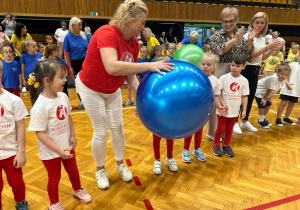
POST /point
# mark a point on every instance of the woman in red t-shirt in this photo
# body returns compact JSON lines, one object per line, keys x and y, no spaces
{"x":110,"y":59}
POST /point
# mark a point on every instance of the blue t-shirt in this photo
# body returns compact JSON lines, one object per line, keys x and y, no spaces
{"x":29,"y":61}
{"x":140,"y":60}
{"x":61,"y":60}
{"x":76,"y":45}
{"x":10,"y":76}
{"x":170,"y":57}
{"x":153,"y":59}
{"x":187,"y":41}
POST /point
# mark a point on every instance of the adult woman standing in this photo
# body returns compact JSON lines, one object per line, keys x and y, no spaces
{"x":19,"y":36}
{"x":224,"y":43}
{"x":10,"y":24}
{"x":150,"y":38}
{"x":163,"y":39}
{"x":258,"y":24}
{"x":75,"y":45}
{"x":103,"y":74}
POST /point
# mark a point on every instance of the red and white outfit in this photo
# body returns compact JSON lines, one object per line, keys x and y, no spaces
{"x":232,"y":89}
{"x":52,"y":116}
{"x":12,"y":109}
{"x":100,"y":93}
{"x":198,"y":135}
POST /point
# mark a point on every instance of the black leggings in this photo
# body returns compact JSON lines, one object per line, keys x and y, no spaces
{"x":251,"y":74}
{"x":77,"y":66}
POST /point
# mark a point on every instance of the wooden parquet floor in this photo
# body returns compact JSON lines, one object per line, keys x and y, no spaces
{"x":266,"y":168}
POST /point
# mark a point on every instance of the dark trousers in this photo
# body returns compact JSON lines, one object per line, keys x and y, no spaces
{"x":251,"y":74}
{"x":77,"y":66}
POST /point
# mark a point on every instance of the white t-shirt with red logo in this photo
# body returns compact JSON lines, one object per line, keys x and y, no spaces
{"x":12,"y":109}
{"x":93,"y":74}
{"x":52,"y":116}
{"x":215,"y":84}
{"x":232,"y":90}
{"x":269,"y":82}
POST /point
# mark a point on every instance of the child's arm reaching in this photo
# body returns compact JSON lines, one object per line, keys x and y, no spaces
{"x":264,"y":99}
{"x":72,"y":141}
{"x":20,"y":158}
{"x":244,"y":105}
{"x":44,"y":138}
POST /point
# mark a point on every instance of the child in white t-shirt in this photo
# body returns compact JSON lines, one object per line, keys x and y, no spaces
{"x":289,"y":96}
{"x":12,"y":144}
{"x":266,"y":89}
{"x":50,"y":119}
{"x":234,"y":93}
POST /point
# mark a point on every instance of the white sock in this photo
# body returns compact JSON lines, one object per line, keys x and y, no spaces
{"x":261,"y":118}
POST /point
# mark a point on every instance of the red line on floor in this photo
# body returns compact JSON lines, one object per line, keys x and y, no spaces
{"x":137,"y":181}
{"x":275,"y":203}
{"x":148,"y":204}
{"x":128,"y":162}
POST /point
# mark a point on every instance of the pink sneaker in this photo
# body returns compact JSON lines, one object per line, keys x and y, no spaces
{"x":82,"y":195}
{"x":56,"y":206}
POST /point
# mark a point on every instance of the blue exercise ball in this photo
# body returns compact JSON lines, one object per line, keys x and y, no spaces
{"x":177,"y":104}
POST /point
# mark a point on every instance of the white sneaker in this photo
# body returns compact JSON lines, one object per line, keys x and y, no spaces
{"x":101,"y":177}
{"x":128,"y":103}
{"x":24,"y":90}
{"x":236,"y":129}
{"x":124,"y":172}
{"x":210,"y":137}
{"x":157,"y":167}
{"x":172,"y":164}
{"x":248,"y":126}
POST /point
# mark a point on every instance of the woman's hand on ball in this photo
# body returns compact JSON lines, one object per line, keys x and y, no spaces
{"x":161,"y":65}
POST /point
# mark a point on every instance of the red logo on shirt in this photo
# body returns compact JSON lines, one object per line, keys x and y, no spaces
{"x":61,"y":112}
{"x":1,"y":111}
{"x":234,"y":87}
{"x":127,"y":57}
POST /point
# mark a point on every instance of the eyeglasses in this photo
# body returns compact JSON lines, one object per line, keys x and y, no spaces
{"x":228,"y":21}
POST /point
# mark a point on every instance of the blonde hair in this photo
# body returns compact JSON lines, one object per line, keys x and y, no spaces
{"x":284,"y":67}
{"x":148,"y":33}
{"x":172,"y":45}
{"x":229,"y":11}
{"x":294,"y":45}
{"x":26,"y":44}
{"x":194,"y":35}
{"x":260,"y":15}
{"x":87,"y":30}
{"x":6,"y":48}
{"x":76,"y":21}
{"x":129,"y":7}
{"x":162,"y":57}
{"x":144,"y":48}
{"x":213,"y":57}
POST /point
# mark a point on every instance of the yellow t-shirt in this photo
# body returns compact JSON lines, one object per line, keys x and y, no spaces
{"x":290,"y":51}
{"x":152,"y":42}
{"x":292,"y":57}
{"x":165,"y":53}
{"x":280,"y":55}
{"x":271,"y":63}
{"x":14,"y":38}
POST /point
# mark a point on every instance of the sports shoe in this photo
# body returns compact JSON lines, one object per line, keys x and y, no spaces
{"x":217,"y":151}
{"x":124,"y":172}
{"x":248,"y":126}
{"x":82,"y":195}
{"x":134,"y":103}
{"x":186,"y":156}
{"x":236,"y":129}
{"x":228,"y":151}
{"x":172,"y":164}
{"x":80,"y":106}
{"x":128,"y":103}
{"x":278,"y":122}
{"x":269,"y":124}
{"x":22,"y":205}
{"x":56,"y":206}
{"x":199,"y":154}
{"x":24,"y":90}
{"x":157,"y":167}
{"x":263,"y":124}
{"x":288,"y":121}
{"x":101,"y":177}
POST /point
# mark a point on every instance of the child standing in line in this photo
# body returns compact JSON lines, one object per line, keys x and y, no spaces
{"x":51,"y":120}
{"x":172,"y":50}
{"x":207,"y":65}
{"x":41,"y":48}
{"x":206,"y":48}
{"x":12,"y":146}
{"x":293,"y":57}
{"x":270,"y":65}
{"x":234,"y":92}
{"x":266,"y":89}
{"x":29,"y":59}
{"x":289,"y":96}
{"x":142,"y":59}
{"x":12,"y":73}
{"x":155,"y":51}
{"x":49,"y":40}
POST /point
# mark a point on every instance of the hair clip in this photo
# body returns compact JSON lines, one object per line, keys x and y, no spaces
{"x":36,"y":85}
{"x":32,"y":81}
{"x":42,"y":59}
{"x":131,"y":4}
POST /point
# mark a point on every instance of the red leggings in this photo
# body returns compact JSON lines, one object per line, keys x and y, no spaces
{"x":197,"y":137}
{"x":14,"y":91}
{"x":53,"y":167}
{"x":156,"y":147}
{"x":14,"y":178}
{"x":224,"y":123}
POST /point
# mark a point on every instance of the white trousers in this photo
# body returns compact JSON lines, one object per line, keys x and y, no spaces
{"x":104,"y":111}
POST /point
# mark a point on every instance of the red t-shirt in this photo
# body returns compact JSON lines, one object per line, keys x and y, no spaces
{"x":93,"y":74}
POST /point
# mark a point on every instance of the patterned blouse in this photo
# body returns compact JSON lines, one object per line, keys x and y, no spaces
{"x":218,"y":42}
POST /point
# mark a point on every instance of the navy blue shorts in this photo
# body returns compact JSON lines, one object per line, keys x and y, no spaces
{"x":258,"y":100}
{"x":288,"y":98}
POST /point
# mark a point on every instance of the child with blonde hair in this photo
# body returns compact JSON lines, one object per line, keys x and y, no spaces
{"x":155,"y":51}
{"x":206,"y":48}
{"x":142,"y":59}
{"x":172,"y":50}
{"x":293,"y":57}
